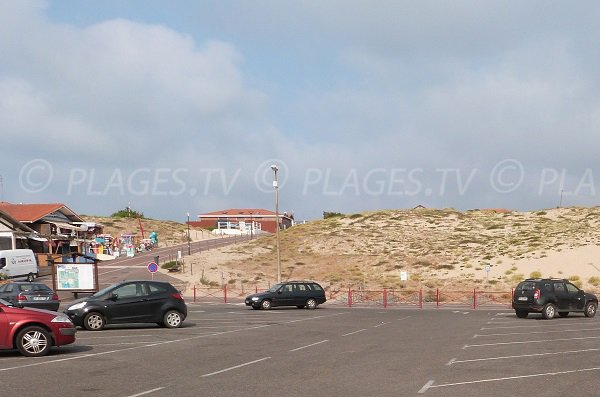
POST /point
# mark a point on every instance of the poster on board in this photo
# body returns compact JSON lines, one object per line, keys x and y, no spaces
{"x":75,"y":276}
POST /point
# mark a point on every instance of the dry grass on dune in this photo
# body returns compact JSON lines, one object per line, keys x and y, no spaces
{"x":437,"y":248}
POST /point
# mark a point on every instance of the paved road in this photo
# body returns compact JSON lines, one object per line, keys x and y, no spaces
{"x":124,"y":268}
{"x":229,"y":350}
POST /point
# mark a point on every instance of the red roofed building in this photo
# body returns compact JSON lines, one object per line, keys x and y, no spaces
{"x":61,"y":227}
{"x":244,"y":221}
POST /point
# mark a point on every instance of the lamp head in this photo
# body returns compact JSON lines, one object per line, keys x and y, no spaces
{"x":274,"y":168}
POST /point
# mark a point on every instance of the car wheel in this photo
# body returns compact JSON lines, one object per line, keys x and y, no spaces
{"x":34,"y":341}
{"x":94,"y":321}
{"x":265,"y":304}
{"x":590,"y":309}
{"x":311,"y":304}
{"x":30,"y":278}
{"x":521,"y":313}
{"x":549,"y":311}
{"x":563,"y":314}
{"x":172,"y":319}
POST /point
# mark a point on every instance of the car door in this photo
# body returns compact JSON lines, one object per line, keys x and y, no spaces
{"x":156,"y":298}
{"x":284,"y":296}
{"x":128,"y":304}
{"x":563,"y":300}
{"x":301,"y":294}
{"x":4,"y":343}
{"x":576,"y":297}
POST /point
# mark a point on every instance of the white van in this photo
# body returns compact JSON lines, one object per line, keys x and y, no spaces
{"x":19,"y":263}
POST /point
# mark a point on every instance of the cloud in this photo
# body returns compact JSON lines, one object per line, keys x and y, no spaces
{"x":348,"y":96}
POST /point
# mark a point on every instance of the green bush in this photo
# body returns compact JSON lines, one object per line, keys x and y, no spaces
{"x":595,"y":281}
{"x":331,"y":214}
{"x":127,"y":213}
{"x":171,"y":264}
{"x":535,"y":274}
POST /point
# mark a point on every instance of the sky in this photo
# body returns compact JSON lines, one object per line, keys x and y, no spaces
{"x":177,"y":107}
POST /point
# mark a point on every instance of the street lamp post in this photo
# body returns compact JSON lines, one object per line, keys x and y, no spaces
{"x":188,"y":236}
{"x":276,"y":186}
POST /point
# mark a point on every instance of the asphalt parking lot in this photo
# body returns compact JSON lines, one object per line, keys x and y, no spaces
{"x":230,"y":350}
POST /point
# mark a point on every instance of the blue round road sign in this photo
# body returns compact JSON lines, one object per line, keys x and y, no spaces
{"x":152,"y":267}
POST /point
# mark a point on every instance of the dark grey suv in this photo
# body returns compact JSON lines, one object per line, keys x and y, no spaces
{"x":290,"y":293}
{"x":550,"y":297}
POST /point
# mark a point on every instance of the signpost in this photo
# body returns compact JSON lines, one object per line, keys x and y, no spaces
{"x":152,"y":268}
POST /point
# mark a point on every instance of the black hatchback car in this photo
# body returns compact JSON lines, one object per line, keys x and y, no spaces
{"x":291,"y":293}
{"x":130,"y":302}
{"x":550,"y":297}
{"x":25,"y":294}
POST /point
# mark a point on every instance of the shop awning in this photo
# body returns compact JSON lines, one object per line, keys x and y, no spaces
{"x":66,"y":226}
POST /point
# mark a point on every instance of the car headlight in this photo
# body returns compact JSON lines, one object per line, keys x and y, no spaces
{"x":255,"y":298}
{"x":77,"y":306}
{"x":61,"y":319}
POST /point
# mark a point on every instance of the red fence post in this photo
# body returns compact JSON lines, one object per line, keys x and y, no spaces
{"x":437,"y":297}
{"x":474,"y":298}
{"x":421,"y":298}
{"x":385,"y":298}
{"x":349,"y":297}
{"x":256,"y":289}
{"x":225,"y":292}
{"x":194,"y":293}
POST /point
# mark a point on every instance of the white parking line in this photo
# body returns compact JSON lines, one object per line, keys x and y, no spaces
{"x":530,"y":341}
{"x":430,"y":385}
{"x":355,"y":332}
{"x":114,"y":336}
{"x":236,"y":366}
{"x":194,"y":337}
{"x":146,"y":392}
{"x":312,"y":344}
{"x":556,"y":325}
{"x":537,"y":332}
{"x":454,"y":361}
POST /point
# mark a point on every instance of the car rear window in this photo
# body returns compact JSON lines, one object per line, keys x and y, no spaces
{"x":157,"y":288}
{"x":317,"y":287}
{"x":526,"y":286}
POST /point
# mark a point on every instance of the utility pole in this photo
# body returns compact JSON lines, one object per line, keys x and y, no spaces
{"x":276,"y":186}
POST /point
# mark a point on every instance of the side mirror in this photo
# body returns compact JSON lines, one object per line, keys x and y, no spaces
{"x":113,"y":297}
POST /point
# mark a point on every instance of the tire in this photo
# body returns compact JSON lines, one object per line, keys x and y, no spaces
{"x":34,"y":341}
{"x":563,"y":314}
{"x":172,"y":319}
{"x":94,"y":321}
{"x":521,"y":313}
{"x":590,"y":309}
{"x":549,"y":311}
{"x":30,"y":277}
{"x":265,"y":304}
{"x":311,"y":304}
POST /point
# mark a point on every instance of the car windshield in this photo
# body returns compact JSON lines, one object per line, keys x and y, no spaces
{"x":275,"y":287}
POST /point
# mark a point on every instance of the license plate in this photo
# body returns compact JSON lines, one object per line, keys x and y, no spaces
{"x":40,"y":298}
{"x":522,"y":298}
